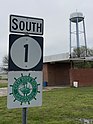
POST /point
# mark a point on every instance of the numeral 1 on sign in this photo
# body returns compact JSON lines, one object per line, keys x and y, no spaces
{"x":26,"y":52}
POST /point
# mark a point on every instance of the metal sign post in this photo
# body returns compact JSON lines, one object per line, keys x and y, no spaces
{"x":24,"y":116}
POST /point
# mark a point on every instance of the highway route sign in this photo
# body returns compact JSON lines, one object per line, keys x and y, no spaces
{"x":25,"y":53}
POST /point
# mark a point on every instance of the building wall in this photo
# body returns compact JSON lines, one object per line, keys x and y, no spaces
{"x":83,"y":76}
{"x":56,"y":73}
{"x":45,"y":72}
{"x":60,"y":74}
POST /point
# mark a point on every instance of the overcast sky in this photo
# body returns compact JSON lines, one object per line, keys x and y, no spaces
{"x":56,"y":15}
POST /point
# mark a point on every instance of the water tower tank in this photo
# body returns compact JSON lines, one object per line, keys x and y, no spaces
{"x":75,"y":15}
{"x":75,"y":18}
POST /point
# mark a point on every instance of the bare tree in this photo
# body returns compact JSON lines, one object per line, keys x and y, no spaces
{"x":82,"y":52}
{"x":5,"y":64}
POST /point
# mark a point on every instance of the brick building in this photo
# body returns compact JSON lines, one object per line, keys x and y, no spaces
{"x":57,"y":71}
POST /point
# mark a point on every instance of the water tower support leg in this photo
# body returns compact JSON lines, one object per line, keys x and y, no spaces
{"x":70,"y":39}
{"x":77,"y":37}
{"x":85,"y":37}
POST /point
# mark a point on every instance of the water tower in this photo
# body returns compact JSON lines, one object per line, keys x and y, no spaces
{"x":77,"y":19}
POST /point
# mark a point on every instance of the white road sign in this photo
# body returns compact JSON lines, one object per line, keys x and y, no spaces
{"x":26,"y":25}
{"x":24,"y":89}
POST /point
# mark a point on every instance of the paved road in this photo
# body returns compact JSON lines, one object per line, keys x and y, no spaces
{"x":3,"y":91}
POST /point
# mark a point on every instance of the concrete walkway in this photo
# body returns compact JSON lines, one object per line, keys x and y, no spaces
{"x":3,"y":91}
{"x":53,"y":87}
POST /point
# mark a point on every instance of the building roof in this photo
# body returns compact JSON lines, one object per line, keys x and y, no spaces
{"x":64,"y":57}
{"x":56,"y":58}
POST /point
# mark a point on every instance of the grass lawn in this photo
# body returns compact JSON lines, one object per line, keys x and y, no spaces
{"x":60,"y":106}
{"x":3,"y":85}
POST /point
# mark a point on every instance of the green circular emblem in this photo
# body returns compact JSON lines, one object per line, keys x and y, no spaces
{"x":24,"y":89}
